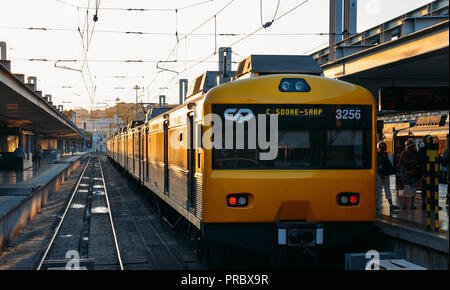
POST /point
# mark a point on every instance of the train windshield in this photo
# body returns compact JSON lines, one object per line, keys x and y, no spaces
{"x":308,"y":137}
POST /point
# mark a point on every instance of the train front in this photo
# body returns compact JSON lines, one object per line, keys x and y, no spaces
{"x":291,"y":163}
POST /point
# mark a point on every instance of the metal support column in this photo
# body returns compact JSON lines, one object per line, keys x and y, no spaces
{"x":350,"y":13}
{"x":335,"y":25}
{"x":136,"y":87}
{"x":432,"y":181}
{"x":183,"y":87}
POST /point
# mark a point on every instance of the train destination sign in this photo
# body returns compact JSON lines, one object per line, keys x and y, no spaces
{"x":309,"y":115}
{"x":414,"y":98}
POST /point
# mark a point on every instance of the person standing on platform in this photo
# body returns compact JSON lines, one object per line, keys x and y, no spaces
{"x":38,"y":157}
{"x":20,"y":155}
{"x":384,"y":170}
{"x":410,"y":177}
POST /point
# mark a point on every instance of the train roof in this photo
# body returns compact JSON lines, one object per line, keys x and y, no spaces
{"x":205,"y":82}
{"x":134,"y":124}
{"x":266,"y":89}
{"x":279,"y":64}
{"x":154,"y":112}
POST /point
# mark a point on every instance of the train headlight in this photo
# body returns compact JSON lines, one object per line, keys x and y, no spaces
{"x":294,"y":237}
{"x":294,"y":85}
{"x":307,"y":237}
{"x":300,"y":86}
{"x":285,"y":86}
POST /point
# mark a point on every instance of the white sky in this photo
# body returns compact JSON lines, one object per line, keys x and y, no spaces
{"x":241,"y":16}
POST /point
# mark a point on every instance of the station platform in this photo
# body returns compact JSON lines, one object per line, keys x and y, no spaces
{"x":23,"y":193}
{"x":9,"y":178}
{"x":417,"y":216}
{"x":408,"y":227}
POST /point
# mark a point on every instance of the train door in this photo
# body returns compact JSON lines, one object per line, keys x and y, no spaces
{"x":147,"y":157}
{"x":141,"y":154}
{"x":125,"y":154}
{"x":130,"y":152}
{"x":134,"y":152}
{"x":138,"y":153}
{"x":191,"y":198}
{"x":166,"y":157}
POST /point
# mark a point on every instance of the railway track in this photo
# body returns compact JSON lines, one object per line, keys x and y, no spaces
{"x":85,"y":237}
{"x":146,"y":240}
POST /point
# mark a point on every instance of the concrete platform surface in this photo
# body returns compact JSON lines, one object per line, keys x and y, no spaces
{"x":29,"y":175}
{"x":22,"y":194}
{"x":410,"y":225}
{"x":18,"y":185}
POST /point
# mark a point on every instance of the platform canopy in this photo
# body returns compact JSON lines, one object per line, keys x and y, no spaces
{"x":409,"y":51}
{"x":22,"y":107}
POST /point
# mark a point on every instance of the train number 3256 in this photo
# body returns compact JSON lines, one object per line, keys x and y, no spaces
{"x":348,"y":114}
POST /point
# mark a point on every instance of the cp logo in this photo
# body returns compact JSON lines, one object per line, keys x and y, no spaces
{"x":242,"y":115}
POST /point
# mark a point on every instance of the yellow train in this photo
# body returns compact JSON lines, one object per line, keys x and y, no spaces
{"x":314,"y":189}
{"x":396,"y":134}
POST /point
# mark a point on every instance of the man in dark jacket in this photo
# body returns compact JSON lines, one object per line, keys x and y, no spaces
{"x":384,"y":171}
{"x":20,"y":155}
{"x":410,"y":178}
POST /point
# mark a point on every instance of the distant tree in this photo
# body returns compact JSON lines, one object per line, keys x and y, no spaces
{"x":68,"y":113}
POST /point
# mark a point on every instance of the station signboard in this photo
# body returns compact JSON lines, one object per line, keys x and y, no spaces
{"x":413,"y":98}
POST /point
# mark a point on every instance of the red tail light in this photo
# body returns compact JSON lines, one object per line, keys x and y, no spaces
{"x":237,"y":200}
{"x":232,"y":200}
{"x":348,"y":199}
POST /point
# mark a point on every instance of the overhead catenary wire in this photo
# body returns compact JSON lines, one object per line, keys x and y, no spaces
{"x":136,"y":9}
{"x":316,"y":47}
{"x":184,"y":37}
{"x":236,"y":42}
{"x":98,"y":87}
{"x":154,"y":33}
{"x":105,"y":60}
{"x":187,"y":62}
{"x":86,"y":50}
{"x":252,"y":33}
{"x":267,"y":24}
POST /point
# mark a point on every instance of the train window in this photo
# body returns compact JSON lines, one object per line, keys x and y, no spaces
{"x":321,"y":143}
{"x":345,"y":148}
{"x":313,"y":149}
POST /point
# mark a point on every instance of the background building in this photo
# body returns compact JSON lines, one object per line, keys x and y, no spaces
{"x":99,"y":141}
